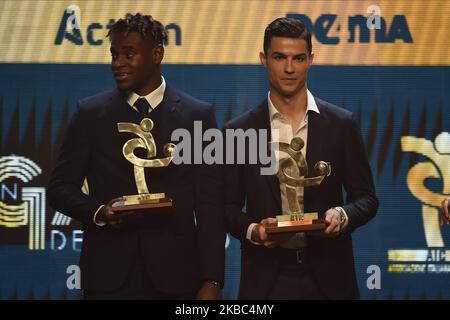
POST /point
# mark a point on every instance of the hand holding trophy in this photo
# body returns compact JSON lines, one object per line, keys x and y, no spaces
{"x":144,"y":201}
{"x":297,"y":220}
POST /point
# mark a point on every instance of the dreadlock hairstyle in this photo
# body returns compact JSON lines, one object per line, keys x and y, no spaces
{"x":145,"y":25}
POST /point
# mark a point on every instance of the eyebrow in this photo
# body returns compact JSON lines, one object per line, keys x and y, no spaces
{"x":126,"y":47}
{"x":284,"y":55}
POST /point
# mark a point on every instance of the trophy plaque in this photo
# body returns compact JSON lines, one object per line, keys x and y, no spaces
{"x":297,"y":220}
{"x":144,"y":201}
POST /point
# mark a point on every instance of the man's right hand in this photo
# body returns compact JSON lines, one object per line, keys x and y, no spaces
{"x":259,"y":234}
{"x":106,"y":214}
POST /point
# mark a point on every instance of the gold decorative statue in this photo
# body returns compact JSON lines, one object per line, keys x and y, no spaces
{"x":296,"y":220}
{"x":144,"y":200}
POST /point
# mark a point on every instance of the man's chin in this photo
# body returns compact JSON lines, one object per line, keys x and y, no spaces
{"x":124,"y":86}
{"x":290,"y":92}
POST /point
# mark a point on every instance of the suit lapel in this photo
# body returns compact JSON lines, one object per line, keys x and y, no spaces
{"x":170,"y":113}
{"x":119,"y":108}
{"x":314,"y":140}
{"x":315,"y":144}
{"x":262,"y":121}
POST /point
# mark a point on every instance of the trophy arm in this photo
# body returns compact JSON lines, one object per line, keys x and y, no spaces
{"x":128,"y":149}
{"x":313,"y":181}
{"x":155,"y":163}
{"x":129,"y":127}
{"x":282,"y":146}
{"x":283,"y":176}
{"x":169,"y":149}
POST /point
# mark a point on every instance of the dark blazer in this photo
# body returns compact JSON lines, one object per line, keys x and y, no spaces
{"x":333,"y":136}
{"x":180,"y":250}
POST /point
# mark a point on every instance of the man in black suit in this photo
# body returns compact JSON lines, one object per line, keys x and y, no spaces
{"x":168,"y":256}
{"x":302,"y":265}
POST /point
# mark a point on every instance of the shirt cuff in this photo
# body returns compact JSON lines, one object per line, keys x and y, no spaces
{"x":249,"y":234}
{"x":99,"y":223}
{"x":346,"y":216}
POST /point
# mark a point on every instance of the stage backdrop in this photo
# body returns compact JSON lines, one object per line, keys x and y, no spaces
{"x":394,"y":77}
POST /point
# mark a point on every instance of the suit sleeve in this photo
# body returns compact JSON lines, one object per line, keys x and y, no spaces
{"x":236,"y":221}
{"x":64,"y":189}
{"x":362,"y":203}
{"x":209,"y":207}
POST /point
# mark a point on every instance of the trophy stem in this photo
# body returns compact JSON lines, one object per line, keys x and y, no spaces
{"x":291,"y":194}
{"x":139,"y":176}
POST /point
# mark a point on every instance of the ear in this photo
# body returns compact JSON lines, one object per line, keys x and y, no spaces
{"x":158,"y":54}
{"x":311,"y":58}
{"x":263,"y":59}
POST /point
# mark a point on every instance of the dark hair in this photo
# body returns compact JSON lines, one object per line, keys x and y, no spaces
{"x":287,"y":28}
{"x":145,"y":25}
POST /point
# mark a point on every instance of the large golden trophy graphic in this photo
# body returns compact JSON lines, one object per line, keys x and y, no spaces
{"x":144,"y":201}
{"x":437,"y":167}
{"x":297,"y":220}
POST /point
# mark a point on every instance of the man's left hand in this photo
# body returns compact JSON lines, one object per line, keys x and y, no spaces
{"x":333,"y":222}
{"x":209,"y":291}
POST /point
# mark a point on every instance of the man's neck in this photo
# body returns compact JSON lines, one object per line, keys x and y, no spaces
{"x":153,"y":84}
{"x":293,"y":108}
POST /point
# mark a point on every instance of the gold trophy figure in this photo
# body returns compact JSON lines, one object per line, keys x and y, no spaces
{"x":143,"y":201}
{"x":297,"y":220}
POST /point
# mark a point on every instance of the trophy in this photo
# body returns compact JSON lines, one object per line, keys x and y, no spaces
{"x":297,"y":220}
{"x":144,"y":201}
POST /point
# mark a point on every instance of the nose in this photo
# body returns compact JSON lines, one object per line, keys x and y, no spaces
{"x":118,"y":61}
{"x":289,"y":66}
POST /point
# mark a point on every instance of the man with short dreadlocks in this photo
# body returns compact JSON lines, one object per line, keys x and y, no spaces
{"x":179,"y":255}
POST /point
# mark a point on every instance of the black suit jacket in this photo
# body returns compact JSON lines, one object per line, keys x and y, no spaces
{"x":333,"y":136}
{"x":179,"y":250}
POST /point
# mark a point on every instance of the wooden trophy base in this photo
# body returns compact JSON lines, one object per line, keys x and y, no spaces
{"x":310,"y":222}
{"x":143,"y":204}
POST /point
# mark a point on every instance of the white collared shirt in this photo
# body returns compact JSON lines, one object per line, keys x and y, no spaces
{"x":154,"y":98}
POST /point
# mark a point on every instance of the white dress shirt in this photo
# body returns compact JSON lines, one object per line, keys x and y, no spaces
{"x":154,"y":98}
